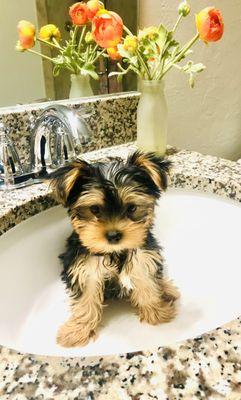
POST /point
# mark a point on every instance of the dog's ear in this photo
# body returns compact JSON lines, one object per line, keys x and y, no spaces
{"x":66,"y":181}
{"x":155,"y":166}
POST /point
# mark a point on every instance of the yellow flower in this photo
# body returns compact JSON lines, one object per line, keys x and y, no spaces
{"x":48,"y":32}
{"x":130,"y":44}
{"x":152,"y":33}
{"x":113,"y":53}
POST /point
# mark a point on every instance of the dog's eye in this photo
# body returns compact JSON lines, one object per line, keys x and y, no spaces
{"x":95,"y":210}
{"x":131,"y":208}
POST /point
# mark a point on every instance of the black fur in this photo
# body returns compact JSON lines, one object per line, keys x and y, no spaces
{"x":108,"y":176}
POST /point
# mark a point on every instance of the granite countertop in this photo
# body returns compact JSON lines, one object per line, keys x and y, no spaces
{"x":207,"y":367}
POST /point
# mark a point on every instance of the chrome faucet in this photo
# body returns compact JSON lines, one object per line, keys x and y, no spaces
{"x":55,"y":136}
{"x":10,"y":166}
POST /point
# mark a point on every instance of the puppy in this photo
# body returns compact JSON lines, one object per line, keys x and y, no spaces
{"x":112,"y":251}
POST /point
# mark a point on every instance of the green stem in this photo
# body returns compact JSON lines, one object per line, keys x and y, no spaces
{"x":74,"y":34}
{"x":159,"y":65}
{"x":128,"y":31}
{"x":48,"y":43}
{"x":93,"y":53}
{"x":81,"y":38}
{"x":177,"y":23}
{"x":121,"y":68}
{"x":56,"y":43}
{"x":87,"y":53}
{"x":98,"y":56}
{"x":143,"y":64}
{"x":39,"y":54}
{"x":180,"y":55}
{"x":142,"y":61}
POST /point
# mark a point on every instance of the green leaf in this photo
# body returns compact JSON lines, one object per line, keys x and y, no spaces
{"x":89,"y":69}
{"x":56,"y":70}
{"x":119,"y":78}
{"x":58,"y":60}
{"x":123,"y":52}
{"x":190,"y":67}
{"x":163,"y":36}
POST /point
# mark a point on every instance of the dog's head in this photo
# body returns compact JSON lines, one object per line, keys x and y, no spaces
{"x":111,"y":204}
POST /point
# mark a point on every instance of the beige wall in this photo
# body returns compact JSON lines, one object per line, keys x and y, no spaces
{"x":21,"y":76}
{"x":207,"y":118}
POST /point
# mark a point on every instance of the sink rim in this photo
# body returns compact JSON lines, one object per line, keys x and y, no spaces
{"x":202,"y":178}
{"x":170,"y":342}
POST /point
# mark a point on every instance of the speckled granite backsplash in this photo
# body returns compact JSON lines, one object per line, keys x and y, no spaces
{"x":112,"y":121}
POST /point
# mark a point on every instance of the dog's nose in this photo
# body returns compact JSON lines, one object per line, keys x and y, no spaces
{"x":113,"y":236}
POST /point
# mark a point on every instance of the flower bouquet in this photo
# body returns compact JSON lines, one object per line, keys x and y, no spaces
{"x":151,"y":55}
{"x":94,"y":30}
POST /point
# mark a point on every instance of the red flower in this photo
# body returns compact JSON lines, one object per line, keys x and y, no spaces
{"x":210,"y":24}
{"x":107,"y":29}
{"x":78,"y":13}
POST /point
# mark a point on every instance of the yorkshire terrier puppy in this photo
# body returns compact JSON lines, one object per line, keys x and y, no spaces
{"x":112,"y":251}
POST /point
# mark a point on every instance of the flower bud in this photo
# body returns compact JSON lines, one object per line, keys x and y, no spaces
{"x":89,"y":38}
{"x":184,"y":8}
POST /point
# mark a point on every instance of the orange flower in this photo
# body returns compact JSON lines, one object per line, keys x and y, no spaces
{"x":210,"y":24}
{"x":48,"y":32}
{"x":26,"y":33}
{"x":114,"y":54}
{"x":78,"y":13}
{"x":107,"y":28}
{"x":93,"y":7}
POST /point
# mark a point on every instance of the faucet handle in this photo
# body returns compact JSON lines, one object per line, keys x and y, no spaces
{"x":10,"y":166}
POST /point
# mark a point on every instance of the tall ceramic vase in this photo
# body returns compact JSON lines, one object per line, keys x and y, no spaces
{"x":152,"y":114}
{"x":80,"y":86}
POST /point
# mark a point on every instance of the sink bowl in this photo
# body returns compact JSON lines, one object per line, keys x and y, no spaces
{"x":201,"y":237}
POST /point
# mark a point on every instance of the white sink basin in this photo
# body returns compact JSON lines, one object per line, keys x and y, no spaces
{"x":201,"y":237}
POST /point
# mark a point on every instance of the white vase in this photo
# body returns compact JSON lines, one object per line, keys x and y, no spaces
{"x":152,"y":114}
{"x":80,"y":86}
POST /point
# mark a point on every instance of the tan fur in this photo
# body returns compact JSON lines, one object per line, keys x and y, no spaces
{"x":93,"y":233}
{"x":153,"y":297}
{"x":144,"y":162}
{"x":170,"y":292}
{"x":86,"y":311}
{"x":131,"y":195}
{"x":90,"y":198}
{"x":147,"y":293}
{"x":93,"y":236}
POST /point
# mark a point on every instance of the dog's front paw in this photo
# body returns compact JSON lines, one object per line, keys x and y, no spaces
{"x":159,"y":313}
{"x":74,"y":335}
{"x":170,"y":291}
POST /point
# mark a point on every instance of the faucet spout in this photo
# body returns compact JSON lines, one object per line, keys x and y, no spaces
{"x":55,"y":136}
